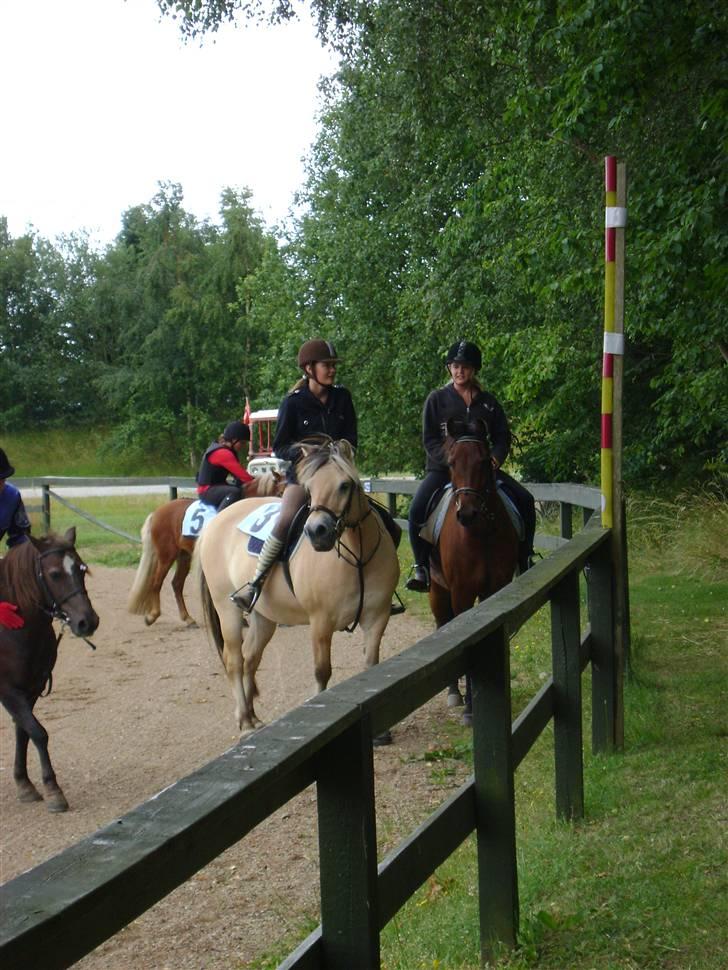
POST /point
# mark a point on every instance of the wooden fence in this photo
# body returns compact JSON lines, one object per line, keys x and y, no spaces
{"x":56,"y":913}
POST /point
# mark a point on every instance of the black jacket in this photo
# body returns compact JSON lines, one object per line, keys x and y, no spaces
{"x":446,"y":403}
{"x":302,"y":415}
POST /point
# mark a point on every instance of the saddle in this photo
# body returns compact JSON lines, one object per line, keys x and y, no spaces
{"x":440,"y":503}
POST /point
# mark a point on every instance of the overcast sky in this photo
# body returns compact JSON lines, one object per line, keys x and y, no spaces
{"x":101,"y":101}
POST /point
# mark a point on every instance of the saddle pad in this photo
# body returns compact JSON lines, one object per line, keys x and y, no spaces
{"x":196,"y":518}
{"x":258,"y":525}
{"x":430,"y":531}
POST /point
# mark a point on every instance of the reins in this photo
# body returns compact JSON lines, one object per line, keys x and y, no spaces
{"x":356,"y":560}
{"x":52,"y":607}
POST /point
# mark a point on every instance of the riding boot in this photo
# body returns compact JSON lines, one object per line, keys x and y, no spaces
{"x":246,"y":597}
{"x":419,"y":581}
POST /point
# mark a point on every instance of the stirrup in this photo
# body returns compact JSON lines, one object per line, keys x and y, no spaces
{"x":244,"y":600}
{"x":419,"y":581}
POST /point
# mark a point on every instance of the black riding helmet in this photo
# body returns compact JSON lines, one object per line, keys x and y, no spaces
{"x":236,"y":431}
{"x":464,"y":352}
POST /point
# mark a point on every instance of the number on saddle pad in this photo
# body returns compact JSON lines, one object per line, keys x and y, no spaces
{"x":196,"y":518}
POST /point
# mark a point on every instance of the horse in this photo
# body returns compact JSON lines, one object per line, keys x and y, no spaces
{"x":477,"y":551}
{"x":343,"y":573}
{"x":46,"y":579}
{"x":164,"y":544}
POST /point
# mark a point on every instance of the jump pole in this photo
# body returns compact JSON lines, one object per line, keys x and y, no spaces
{"x":611,"y":430}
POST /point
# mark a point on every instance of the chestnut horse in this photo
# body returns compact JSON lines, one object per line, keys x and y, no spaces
{"x":163,"y":544}
{"x":343,"y":572}
{"x":477,"y":550}
{"x":46,"y":579}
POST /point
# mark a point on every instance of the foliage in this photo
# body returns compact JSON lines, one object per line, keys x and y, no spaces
{"x":455,"y":188}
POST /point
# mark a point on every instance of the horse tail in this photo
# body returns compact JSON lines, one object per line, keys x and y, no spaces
{"x":139,"y":594}
{"x":212,"y":620}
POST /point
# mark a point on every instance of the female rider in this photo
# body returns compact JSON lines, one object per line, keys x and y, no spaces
{"x":222,"y":459}
{"x":15,"y":522}
{"x":314,"y":405}
{"x":462,"y":397}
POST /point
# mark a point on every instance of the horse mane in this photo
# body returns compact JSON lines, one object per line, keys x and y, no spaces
{"x":322,"y":450}
{"x":18,"y":571}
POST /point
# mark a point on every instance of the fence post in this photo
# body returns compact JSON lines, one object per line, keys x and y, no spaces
{"x":172,"y":492}
{"x":348,"y":852}
{"x":46,"y":500}
{"x":565,"y":638}
{"x":567,"y":529}
{"x":495,"y":810}
{"x":600,"y":592}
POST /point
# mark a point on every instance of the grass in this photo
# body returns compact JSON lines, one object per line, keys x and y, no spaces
{"x":642,"y":880}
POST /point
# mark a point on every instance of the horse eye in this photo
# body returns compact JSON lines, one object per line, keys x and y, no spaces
{"x":56,"y":573}
{"x":345,"y":486}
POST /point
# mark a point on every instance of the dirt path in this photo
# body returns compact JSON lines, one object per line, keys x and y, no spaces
{"x":150,"y":706}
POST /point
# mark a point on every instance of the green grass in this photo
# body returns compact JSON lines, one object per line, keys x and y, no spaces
{"x":642,"y":880}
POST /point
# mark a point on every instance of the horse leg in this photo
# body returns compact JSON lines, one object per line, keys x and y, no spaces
{"x":443,"y":612}
{"x":27,"y":792}
{"x":373,"y":631}
{"x":27,"y":726}
{"x":161,"y":568}
{"x":462,"y":601}
{"x":321,"y":634}
{"x":184,"y":561}
{"x":256,"y":639}
{"x":231,"y":627}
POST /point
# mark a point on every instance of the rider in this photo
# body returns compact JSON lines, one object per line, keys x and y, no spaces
{"x":13,"y":518}
{"x":462,"y":397}
{"x":220,"y":461}
{"x":314,"y":405}
{"x":15,"y":522}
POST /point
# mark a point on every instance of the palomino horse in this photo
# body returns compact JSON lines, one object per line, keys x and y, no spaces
{"x":344,"y":572}
{"x":46,"y":579}
{"x":164,"y":544}
{"x":477,"y":551}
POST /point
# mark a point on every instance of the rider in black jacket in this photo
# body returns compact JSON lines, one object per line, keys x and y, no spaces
{"x":462,"y":398}
{"x":315,"y":405}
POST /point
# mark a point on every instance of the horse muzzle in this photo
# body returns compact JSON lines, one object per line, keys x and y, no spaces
{"x":321,"y":531}
{"x":83,"y":624}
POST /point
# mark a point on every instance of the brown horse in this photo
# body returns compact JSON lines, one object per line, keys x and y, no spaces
{"x":477,"y":551}
{"x":163,"y":544}
{"x":46,"y":579}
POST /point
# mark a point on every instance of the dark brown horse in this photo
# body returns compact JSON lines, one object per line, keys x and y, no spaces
{"x":163,"y":544}
{"x":46,"y":579}
{"x":477,"y":551}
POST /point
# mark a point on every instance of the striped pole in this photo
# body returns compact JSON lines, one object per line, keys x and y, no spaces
{"x":615,"y":218}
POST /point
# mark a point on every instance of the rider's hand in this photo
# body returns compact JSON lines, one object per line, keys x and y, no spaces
{"x":9,"y":616}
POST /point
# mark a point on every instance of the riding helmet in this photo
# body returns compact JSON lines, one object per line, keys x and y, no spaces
{"x":464,"y":352}
{"x":6,"y":469}
{"x":315,"y":351}
{"x":236,"y":431}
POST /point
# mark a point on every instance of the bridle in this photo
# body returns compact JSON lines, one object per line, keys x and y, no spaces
{"x":345,"y":552}
{"x":52,"y":606}
{"x":481,"y":494}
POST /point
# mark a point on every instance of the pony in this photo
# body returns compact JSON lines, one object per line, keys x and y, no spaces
{"x":343,"y":573}
{"x":477,"y":550}
{"x":164,"y":544}
{"x":46,"y":579}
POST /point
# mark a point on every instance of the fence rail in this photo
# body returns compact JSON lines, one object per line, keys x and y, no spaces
{"x":61,"y":910}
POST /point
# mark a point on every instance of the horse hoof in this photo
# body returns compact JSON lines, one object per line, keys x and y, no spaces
{"x":27,"y":792}
{"x":382,"y":739}
{"x":454,"y":699}
{"x":56,"y":801}
{"x":191,"y":625}
{"x":150,"y":619}
{"x":467,"y":719}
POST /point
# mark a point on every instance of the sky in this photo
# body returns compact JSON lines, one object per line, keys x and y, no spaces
{"x":101,"y":101}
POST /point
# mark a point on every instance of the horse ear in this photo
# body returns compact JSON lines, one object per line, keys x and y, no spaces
{"x":453,"y":427}
{"x":345,"y":449}
{"x":483,"y":429}
{"x":70,"y":536}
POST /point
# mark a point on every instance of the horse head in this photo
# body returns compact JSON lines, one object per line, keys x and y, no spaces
{"x":61,"y":580}
{"x":327,"y":472}
{"x":467,"y":450}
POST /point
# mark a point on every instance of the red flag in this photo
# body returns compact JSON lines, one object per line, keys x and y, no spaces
{"x":246,"y":413}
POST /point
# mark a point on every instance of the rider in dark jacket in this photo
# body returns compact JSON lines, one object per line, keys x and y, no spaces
{"x":314,"y":405}
{"x":462,"y":398}
{"x":221,"y":462}
{"x":13,"y":518}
